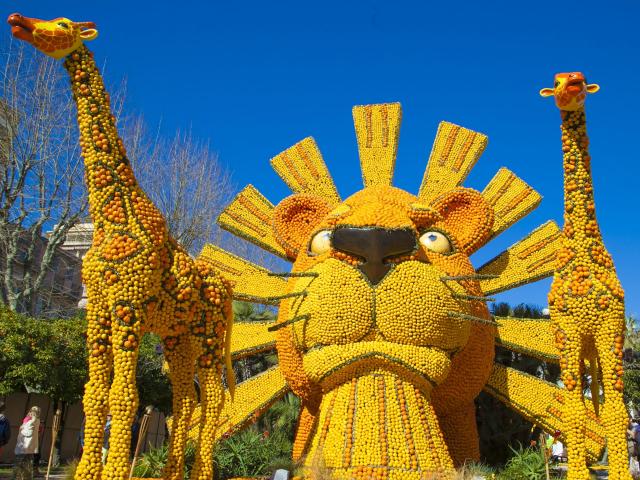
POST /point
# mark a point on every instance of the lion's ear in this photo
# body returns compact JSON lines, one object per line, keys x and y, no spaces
{"x":295,"y":218}
{"x":467,"y":216}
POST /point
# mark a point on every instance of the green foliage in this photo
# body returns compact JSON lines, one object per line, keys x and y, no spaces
{"x":501,"y":428}
{"x":257,"y":450}
{"x":247,"y":367}
{"x":263,"y":447}
{"x":248,"y":453}
{"x":474,"y":470}
{"x":69,"y":471}
{"x":525,"y":464}
{"x":50,"y":357}
{"x":251,"y":453}
{"x":282,"y":417}
{"x":527,"y":311}
{"x":523,"y":310}
{"x":631,"y":376}
{"x":501,"y":309}
{"x":249,"y":312}
{"x":154,"y":387}
{"x":47,"y":356}
{"x":150,"y":464}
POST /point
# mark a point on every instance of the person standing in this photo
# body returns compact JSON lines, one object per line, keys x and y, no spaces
{"x":558,"y":451}
{"x":27,"y":445}
{"x":5,"y":428}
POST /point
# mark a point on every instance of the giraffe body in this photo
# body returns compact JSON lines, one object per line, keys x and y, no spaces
{"x":586,"y":300}
{"x":138,"y":280}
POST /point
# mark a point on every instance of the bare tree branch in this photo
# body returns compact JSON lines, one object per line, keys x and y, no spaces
{"x":184,"y":179}
{"x":41,"y":173}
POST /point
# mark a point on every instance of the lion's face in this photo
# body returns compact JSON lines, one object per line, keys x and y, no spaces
{"x":376,"y":290}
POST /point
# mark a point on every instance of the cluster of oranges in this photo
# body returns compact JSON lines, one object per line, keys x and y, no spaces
{"x":587,"y":309}
{"x":372,"y":360}
{"x":379,"y":425}
{"x":140,"y":280}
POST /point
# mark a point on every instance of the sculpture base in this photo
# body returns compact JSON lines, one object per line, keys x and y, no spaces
{"x":377,"y":426}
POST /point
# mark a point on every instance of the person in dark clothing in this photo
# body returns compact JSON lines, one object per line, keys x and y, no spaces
{"x":5,"y":428}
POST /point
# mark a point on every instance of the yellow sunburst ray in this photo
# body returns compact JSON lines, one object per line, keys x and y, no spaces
{"x":252,"y":398}
{"x":250,"y":216}
{"x":542,"y":403}
{"x":251,"y":282}
{"x":249,"y":338}
{"x":511,"y":199}
{"x":377,"y":132}
{"x":455,"y":151}
{"x":533,"y":337}
{"x":304,"y":171}
{"x":530,"y":259}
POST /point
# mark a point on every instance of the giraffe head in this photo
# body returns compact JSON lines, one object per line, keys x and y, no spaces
{"x":570,"y":90}
{"x":57,"y":38}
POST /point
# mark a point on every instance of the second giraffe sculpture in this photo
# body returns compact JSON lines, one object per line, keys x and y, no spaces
{"x":586,"y":300}
{"x":138,"y":280}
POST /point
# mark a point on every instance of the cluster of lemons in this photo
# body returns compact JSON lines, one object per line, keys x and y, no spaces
{"x":372,"y":362}
{"x":141,"y":268}
{"x":379,"y":425}
{"x":116,"y":264}
{"x":586,"y":300}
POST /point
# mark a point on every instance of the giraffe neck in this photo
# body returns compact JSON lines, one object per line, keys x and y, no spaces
{"x":116,"y":200}
{"x":579,"y":206}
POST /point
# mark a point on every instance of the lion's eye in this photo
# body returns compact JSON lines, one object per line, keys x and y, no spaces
{"x":436,"y":242}
{"x":320,"y":243}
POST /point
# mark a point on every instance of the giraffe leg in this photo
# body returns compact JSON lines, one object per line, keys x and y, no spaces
{"x":575,"y":413}
{"x":211,"y":401}
{"x":613,"y":412}
{"x":181,"y":372}
{"x":123,"y":397}
{"x":96,"y":390}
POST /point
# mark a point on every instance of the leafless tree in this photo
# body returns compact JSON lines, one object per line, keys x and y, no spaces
{"x":183,"y":177}
{"x":42,"y":191}
{"x":41,"y":172}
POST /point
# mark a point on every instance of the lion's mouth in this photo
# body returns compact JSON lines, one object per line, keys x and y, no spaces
{"x":332,"y":365}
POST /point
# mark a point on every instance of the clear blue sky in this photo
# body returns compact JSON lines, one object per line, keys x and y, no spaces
{"x":256,"y":77}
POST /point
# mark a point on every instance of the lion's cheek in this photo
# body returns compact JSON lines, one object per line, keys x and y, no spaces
{"x":412,"y":306}
{"x":338,"y":305}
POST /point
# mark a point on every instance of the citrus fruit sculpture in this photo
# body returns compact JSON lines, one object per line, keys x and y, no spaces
{"x":586,"y":299}
{"x":383,"y":329}
{"x":138,"y":280}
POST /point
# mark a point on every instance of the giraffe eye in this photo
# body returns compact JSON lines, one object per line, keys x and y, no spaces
{"x":557,"y":83}
{"x":63,"y":25}
{"x":436,"y":242}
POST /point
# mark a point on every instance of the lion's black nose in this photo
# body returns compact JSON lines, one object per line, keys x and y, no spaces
{"x":374,"y":245}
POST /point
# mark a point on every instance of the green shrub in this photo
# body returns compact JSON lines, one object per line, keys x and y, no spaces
{"x":150,"y":464}
{"x":250,"y":453}
{"x":525,"y":464}
{"x":69,"y":471}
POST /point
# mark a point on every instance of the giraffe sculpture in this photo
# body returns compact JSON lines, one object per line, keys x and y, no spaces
{"x":586,"y":300}
{"x":138,"y":280}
